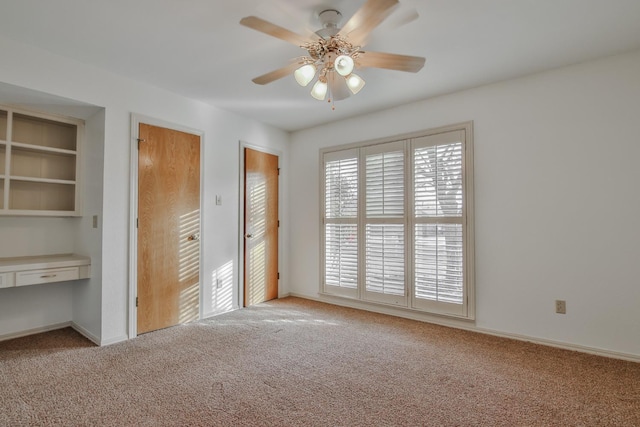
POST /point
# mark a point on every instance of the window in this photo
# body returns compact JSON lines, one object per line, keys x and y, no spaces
{"x":397,"y":224}
{"x":385,"y":243}
{"x":340,"y":222}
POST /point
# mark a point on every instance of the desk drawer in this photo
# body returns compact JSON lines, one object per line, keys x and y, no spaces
{"x":35,"y":277}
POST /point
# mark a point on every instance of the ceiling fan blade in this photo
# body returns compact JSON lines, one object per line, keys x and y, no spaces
{"x":274,"y":75}
{"x":368,"y":17}
{"x":403,"y":19}
{"x":390,"y":61}
{"x":393,"y":23}
{"x":274,"y":30}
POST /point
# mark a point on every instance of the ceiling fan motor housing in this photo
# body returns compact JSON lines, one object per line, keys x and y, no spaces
{"x":329,"y":19}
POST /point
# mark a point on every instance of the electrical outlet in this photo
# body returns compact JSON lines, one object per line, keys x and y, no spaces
{"x":561,"y":306}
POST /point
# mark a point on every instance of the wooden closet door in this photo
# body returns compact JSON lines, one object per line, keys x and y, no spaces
{"x":168,"y":228}
{"x":260,"y":227}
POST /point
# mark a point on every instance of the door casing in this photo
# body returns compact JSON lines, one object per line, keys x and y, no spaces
{"x":136,"y":119}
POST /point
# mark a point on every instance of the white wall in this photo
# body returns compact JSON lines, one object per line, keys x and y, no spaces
{"x":87,"y":295}
{"x":33,"y":68}
{"x":557,"y":199}
{"x":36,"y":308}
{"x":25,"y":236}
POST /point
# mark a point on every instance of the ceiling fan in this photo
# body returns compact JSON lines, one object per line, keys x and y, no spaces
{"x":333,"y":53}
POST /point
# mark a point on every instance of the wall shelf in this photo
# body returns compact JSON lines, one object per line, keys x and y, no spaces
{"x":39,"y":163}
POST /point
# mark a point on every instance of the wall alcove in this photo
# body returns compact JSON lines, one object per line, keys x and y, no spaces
{"x":75,"y":229}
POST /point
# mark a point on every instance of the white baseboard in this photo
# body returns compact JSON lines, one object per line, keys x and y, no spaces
{"x":218,"y":313}
{"x":467,"y":326}
{"x":565,"y":346}
{"x":85,"y":333}
{"x":82,"y":331}
{"x":113,"y":340}
{"x":34,"y":331}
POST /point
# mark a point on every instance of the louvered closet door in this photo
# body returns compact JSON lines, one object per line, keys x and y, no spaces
{"x":385,"y":243}
{"x":340,"y":223}
{"x":439,"y":226}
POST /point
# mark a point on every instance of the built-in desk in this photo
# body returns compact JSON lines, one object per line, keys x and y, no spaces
{"x":35,"y":270}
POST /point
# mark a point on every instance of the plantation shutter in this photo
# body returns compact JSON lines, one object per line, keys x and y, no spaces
{"x":385,"y":248}
{"x":397,"y":222}
{"x":439,"y":226}
{"x":340,"y":222}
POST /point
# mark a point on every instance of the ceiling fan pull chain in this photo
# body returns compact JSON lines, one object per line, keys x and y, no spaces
{"x":331,"y":99}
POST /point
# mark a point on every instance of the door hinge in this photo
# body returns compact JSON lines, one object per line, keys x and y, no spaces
{"x":278,"y":223}
{"x":137,"y":222}
{"x":278,"y":171}
{"x":136,"y":301}
{"x":139,"y":141}
{"x":278,"y":275}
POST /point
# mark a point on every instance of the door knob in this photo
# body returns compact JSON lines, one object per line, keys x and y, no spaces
{"x":248,"y":236}
{"x":194,"y":236}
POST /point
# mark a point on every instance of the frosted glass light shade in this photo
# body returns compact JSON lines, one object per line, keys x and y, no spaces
{"x":305,"y":74}
{"x":343,"y":65}
{"x":355,"y":83}
{"x":319,"y":90}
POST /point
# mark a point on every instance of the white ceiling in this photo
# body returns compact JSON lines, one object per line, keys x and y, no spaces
{"x":197,"y":48}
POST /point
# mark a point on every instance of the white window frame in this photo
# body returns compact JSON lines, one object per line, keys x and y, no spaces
{"x":410,"y":142}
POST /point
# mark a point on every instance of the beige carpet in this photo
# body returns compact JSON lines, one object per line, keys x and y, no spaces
{"x":300,"y":363}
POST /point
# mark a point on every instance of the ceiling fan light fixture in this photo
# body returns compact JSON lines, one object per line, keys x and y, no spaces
{"x":355,"y":83}
{"x":319,"y":90}
{"x":334,"y":51}
{"x":344,"y":65}
{"x":305,"y":74}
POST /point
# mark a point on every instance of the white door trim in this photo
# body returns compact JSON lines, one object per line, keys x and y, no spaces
{"x":136,"y":119}
{"x":241,"y":231}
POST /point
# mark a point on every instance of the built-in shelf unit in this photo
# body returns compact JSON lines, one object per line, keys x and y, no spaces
{"x":39,"y":163}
